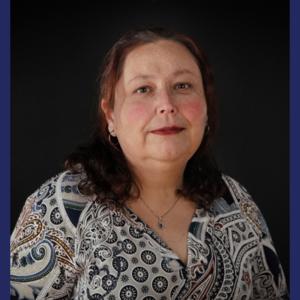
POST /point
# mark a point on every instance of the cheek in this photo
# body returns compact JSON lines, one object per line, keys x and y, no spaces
{"x":135,"y":113}
{"x":195,"y":111}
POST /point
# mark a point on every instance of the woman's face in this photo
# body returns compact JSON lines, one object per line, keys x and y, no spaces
{"x":160,"y":110}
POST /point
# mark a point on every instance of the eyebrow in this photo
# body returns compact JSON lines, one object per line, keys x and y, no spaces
{"x":175,"y":74}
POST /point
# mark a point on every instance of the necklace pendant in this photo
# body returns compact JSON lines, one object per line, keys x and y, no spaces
{"x":160,"y":223}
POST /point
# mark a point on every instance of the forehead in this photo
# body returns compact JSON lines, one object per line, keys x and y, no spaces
{"x":163,"y":56}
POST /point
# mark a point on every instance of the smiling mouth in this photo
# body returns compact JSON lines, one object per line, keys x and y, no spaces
{"x":167,"y":130}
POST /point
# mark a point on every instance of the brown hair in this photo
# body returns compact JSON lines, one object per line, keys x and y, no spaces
{"x":108,"y":175}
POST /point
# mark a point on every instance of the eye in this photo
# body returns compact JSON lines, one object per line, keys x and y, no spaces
{"x":142,"y":90}
{"x":182,"y":86}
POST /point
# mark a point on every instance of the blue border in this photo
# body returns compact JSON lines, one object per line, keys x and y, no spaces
{"x":294,"y":148}
{"x":4,"y":146}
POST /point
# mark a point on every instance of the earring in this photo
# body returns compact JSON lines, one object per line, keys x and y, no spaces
{"x":112,"y":137}
{"x":111,"y":129}
{"x":206,"y":131}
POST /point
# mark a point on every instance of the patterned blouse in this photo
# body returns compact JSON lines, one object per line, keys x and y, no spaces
{"x":65,"y":246}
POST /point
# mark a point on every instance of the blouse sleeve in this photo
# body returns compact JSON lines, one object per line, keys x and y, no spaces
{"x":267,"y":276}
{"x":42,"y":264}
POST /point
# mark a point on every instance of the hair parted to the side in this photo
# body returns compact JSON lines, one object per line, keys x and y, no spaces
{"x":107,"y":173}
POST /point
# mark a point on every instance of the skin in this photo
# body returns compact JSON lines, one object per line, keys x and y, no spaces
{"x":161,"y":85}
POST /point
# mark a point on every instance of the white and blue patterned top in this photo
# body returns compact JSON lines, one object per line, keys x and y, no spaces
{"x":66,"y":246}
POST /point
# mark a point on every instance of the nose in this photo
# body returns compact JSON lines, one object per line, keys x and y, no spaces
{"x":166,"y":104}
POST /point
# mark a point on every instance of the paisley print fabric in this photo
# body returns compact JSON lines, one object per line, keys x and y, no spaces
{"x":66,"y":246}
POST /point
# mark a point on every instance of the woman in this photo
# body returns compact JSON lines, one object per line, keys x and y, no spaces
{"x":142,"y":211}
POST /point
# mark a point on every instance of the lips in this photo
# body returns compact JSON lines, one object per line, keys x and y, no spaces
{"x":167,"y":130}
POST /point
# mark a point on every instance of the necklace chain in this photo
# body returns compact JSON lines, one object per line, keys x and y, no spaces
{"x":160,"y":222}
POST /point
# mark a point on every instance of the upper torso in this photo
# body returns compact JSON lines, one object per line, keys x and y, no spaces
{"x":103,"y":253}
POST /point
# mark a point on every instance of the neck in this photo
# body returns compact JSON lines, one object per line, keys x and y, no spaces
{"x":158,"y":186}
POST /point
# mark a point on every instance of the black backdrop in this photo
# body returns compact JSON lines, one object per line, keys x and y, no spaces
{"x":57,"y":49}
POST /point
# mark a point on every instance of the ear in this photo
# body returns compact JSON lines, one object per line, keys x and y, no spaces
{"x":108,"y":111}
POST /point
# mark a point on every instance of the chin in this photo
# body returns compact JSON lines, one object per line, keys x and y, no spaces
{"x":172,"y":155}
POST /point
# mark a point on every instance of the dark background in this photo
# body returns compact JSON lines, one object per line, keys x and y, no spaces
{"x":57,"y":49}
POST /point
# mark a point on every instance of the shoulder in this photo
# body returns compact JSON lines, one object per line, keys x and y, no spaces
{"x":43,"y":240}
{"x":265,"y":259}
{"x":235,"y":190}
{"x":238,"y":201}
{"x":59,"y":199}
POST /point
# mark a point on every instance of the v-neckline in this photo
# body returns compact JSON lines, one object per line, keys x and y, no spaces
{"x":157,"y":238}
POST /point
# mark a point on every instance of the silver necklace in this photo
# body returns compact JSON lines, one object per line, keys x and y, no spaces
{"x":160,"y":222}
